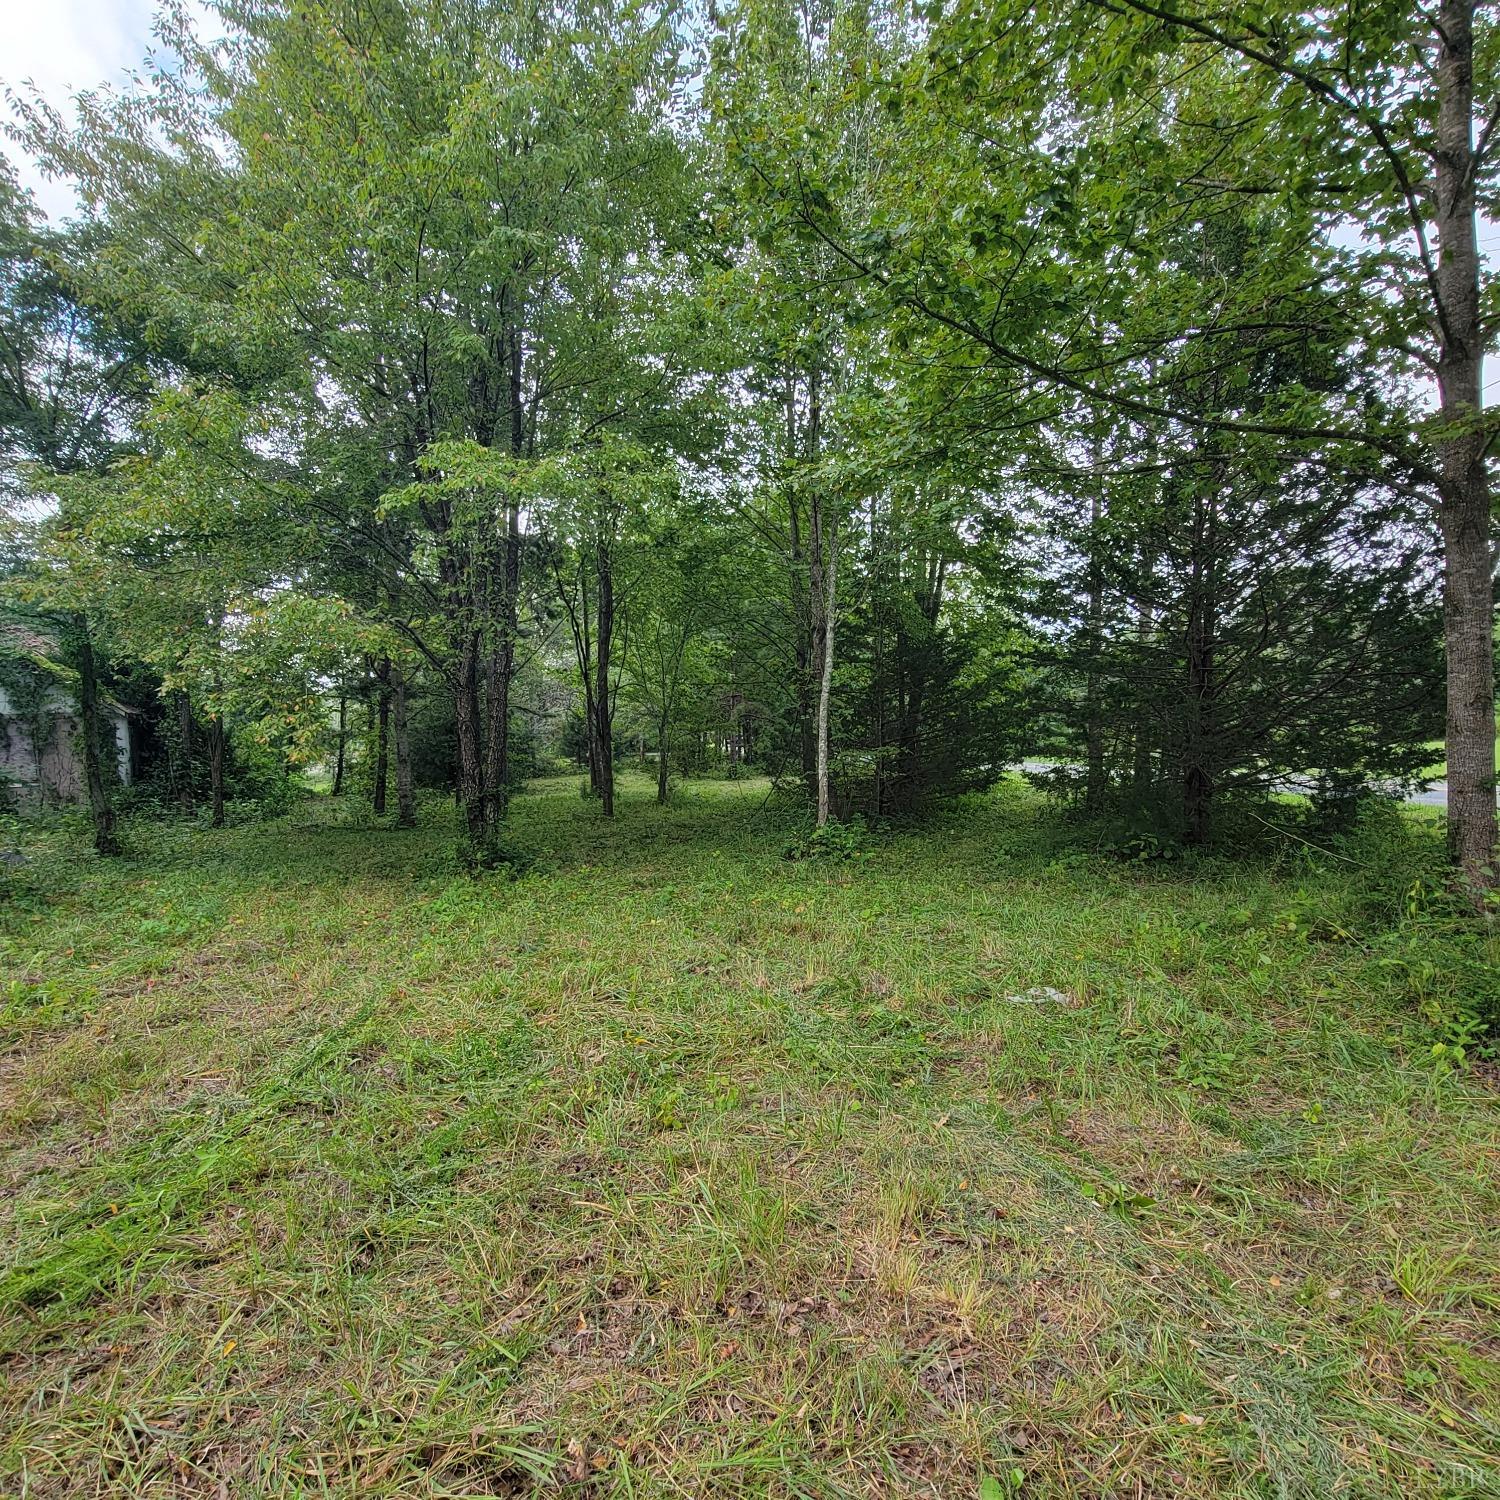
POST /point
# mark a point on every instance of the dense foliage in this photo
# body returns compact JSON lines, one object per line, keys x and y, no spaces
{"x":871,"y":396}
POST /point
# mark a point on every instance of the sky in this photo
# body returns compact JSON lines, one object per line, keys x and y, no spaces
{"x":66,"y":47}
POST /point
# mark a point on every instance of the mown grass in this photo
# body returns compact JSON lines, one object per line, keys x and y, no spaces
{"x":676,"y":1168}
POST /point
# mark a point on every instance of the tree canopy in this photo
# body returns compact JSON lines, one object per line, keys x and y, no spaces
{"x":876,"y":396}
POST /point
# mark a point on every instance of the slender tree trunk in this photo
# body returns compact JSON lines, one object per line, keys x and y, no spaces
{"x":502,"y":667}
{"x":496,"y":721}
{"x":1468,"y":580}
{"x":802,"y":610}
{"x":496,"y":729}
{"x":456,"y":575}
{"x":216,"y":767}
{"x":382,"y":737}
{"x":91,"y":727}
{"x":877,"y":653}
{"x":1094,"y":784}
{"x":1140,"y":773}
{"x":500,"y":673}
{"x":467,"y":729}
{"x":806,"y":736}
{"x":818,"y":595}
{"x":825,"y":688}
{"x":911,"y":733}
{"x":1202,"y":625}
{"x":184,"y":757}
{"x":406,"y":807}
{"x":583,"y":655}
{"x":217,"y":746}
{"x":603,"y":707}
{"x":338,"y":762}
{"x":661,"y":761}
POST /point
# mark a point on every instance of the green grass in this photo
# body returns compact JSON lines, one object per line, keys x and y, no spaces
{"x":677,"y":1168}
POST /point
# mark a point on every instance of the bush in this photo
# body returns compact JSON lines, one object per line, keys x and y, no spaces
{"x":1397,"y":901}
{"x":492,"y":855}
{"x":1445,"y":963}
{"x":849,"y":840}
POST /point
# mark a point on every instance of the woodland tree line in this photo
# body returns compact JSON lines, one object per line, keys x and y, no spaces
{"x":869,"y":393}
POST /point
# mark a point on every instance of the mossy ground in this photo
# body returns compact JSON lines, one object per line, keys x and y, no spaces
{"x":677,"y":1168}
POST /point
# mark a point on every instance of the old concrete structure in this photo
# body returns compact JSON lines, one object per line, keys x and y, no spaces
{"x":41,"y":760}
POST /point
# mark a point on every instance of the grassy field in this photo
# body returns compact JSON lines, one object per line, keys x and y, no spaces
{"x":979,"y":1165}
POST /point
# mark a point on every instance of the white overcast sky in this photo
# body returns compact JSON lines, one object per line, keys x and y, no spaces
{"x":65,"y":47}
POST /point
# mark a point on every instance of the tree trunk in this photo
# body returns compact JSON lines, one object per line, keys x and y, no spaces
{"x":500,"y":672}
{"x":502,"y":663}
{"x":382,"y":737}
{"x":101,"y":809}
{"x":877,"y":672}
{"x":911,"y":732}
{"x":216,"y":767}
{"x":1094,"y":785}
{"x":583,"y":656}
{"x":1142,"y":742}
{"x":825,"y":688}
{"x":603,"y":707}
{"x":1140,"y":765}
{"x":661,"y":761}
{"x":1468,"y":578}
{"x":406,"y":807}
{"x":818,"y":594}
{"x":183,"y":771}
{"x":467,"y":730}
{"x":1202,"y":626}
{"x":338,"y":763}
{"x":802,"y":625}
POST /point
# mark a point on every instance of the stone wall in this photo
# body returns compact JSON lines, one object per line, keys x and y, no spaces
{"x":42,"y":764}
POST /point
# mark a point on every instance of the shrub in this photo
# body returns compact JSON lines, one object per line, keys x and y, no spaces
{"x":1447,"y":964}
{"x":832,"y":841}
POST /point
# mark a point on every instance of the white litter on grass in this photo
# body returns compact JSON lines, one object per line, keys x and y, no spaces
{"x":1042,"y":994}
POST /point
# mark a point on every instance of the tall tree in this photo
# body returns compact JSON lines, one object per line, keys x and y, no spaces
{"x":72,"y":378}
{"x":422,"y":241}
{"x":777,"y":77}
{"x":1057,"y":148}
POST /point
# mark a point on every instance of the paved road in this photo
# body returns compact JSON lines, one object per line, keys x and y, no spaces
{"x":1435,"y":796}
